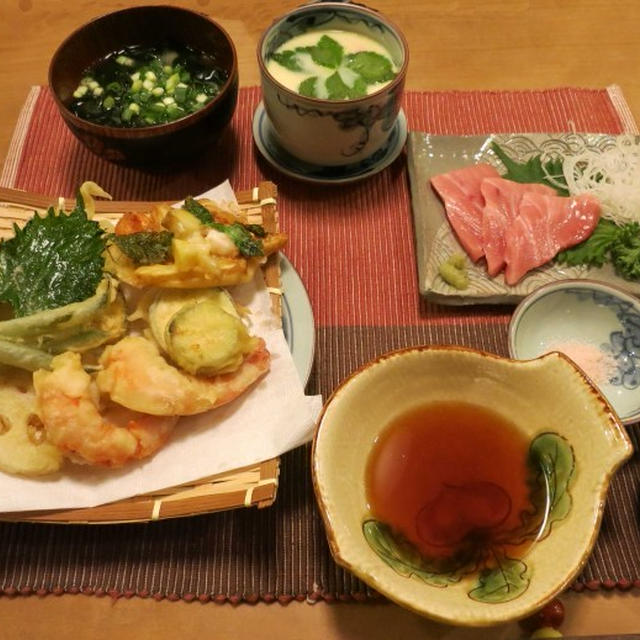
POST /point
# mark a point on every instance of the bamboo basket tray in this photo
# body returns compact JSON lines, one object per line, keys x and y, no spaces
{"x":252,"y":486}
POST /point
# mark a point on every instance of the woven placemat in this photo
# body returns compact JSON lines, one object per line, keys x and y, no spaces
{"x":353,"y":248}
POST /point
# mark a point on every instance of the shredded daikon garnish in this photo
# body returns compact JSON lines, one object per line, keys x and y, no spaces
{"x":554,"y":179}
{"x":612,"y":176}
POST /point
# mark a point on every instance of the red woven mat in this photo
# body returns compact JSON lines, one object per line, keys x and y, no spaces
{"x":353,"y":248}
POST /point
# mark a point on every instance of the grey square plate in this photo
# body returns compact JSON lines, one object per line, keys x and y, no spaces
{"x":435,"y":241}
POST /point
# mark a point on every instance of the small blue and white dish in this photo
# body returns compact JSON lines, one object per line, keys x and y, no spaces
{"x":281,"y":159}
{"x":596,"y":325}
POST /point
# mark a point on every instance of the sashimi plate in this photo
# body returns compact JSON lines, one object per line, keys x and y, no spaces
{"x":429,"y":155}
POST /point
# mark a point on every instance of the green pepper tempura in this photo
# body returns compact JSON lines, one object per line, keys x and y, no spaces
{"x":145,"y":86}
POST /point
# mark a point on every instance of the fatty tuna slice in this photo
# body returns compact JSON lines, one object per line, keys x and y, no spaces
{"x":544,"y":226}
{"x":502,"y":201}
{"x":463,"y":203}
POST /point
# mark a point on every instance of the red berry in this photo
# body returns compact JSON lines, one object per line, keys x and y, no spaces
{"x":552,"y":615}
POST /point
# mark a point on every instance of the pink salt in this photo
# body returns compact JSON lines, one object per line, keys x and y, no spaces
{"x":597,"y":364}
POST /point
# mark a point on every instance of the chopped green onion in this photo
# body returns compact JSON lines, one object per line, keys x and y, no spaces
{"x":138,"y":85}
{"x":125,"y":61}
{"x":180,"y":92}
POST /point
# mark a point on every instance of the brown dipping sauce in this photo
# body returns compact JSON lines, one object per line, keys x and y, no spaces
{"x":451,"y":479}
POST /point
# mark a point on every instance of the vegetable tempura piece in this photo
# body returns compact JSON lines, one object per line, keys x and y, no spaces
{"x":193,"y":246}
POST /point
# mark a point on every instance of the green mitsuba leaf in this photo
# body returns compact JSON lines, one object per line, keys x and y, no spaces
{"x":338,"y":89}
{"x":358,"y":89}
{"x":308,"y":87}
{"x":288,"y":59}
{"x":533,"y":170}
{"x":327,"y":53}
{"x":52,"y":261}
{"x":372,"y":67}
{"x":507,"y":581}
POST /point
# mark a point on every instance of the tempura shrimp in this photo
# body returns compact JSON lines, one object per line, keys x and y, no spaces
{"x":68,"y":401}
{"x":135,"y":375}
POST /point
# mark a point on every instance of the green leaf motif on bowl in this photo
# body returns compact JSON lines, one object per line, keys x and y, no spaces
{"x":507,"y":581}
{"x":500,"y":577}
{"x":401,"y":556}
{"x":553,"y":457}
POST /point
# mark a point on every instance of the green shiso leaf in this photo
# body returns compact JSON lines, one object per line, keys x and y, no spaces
{"x":372,"y":67}
{"x":534,"y":170}
{"x":145,"y":247}
{"x":52,"y":261}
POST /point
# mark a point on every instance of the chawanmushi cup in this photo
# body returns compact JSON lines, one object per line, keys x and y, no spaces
{"x":333,"y":133}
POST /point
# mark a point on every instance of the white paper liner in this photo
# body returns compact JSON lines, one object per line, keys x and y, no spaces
{"x":271,"y":418}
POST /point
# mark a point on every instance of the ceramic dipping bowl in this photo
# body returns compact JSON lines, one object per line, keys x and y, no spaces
{"x":596,"y":325}
{"x":332,"y":133}
{"x":573,"y":443}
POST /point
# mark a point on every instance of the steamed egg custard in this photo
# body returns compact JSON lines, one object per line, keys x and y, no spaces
{"x":332,"y":64}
